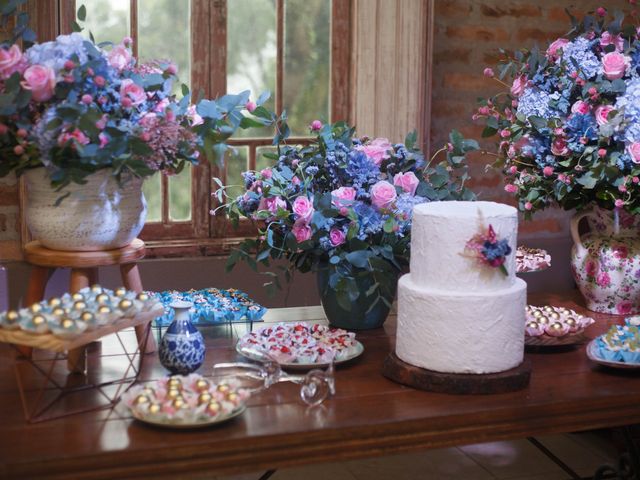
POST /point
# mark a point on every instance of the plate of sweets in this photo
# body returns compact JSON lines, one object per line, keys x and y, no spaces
{"x":554,"y":326}
{"x":300,"y":346}
{"x":531,"y":259}
{"x":619,"y":347}
{"x":190,"y":401}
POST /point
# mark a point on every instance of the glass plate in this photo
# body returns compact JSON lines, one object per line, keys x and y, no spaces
{"x":593,"y":356}
{"x":303,"y":366}
{"x":173,"y":423}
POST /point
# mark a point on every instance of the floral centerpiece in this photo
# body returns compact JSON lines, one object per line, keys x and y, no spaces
{"x":341,"y":206}
{"x":569,"y":128}
{"x":92,"y":114}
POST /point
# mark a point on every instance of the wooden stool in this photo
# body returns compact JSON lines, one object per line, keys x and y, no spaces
{"x":84,"y":272}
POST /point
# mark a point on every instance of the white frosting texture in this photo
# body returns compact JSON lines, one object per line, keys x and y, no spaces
{"x":455,"y":314}
{"x":439,"y":234}
{"x":461,"y":331}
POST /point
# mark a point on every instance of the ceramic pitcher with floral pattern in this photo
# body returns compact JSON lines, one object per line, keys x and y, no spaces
{"x":606,"y":261}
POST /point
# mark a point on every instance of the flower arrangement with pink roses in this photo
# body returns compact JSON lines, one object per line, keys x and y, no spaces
{"x":344,"y":203}
{"x":75,"y":107}
{"x":569,"y":121}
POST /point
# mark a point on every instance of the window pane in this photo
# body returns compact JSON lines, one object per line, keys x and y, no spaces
{"x":236,"y":164}
{"x":307,"y":62}
{"x":107,"y":20}
{"x":151,"y":190}
{"x":251,"y":52}
{"x":164,"y":31}
{"x":180,"y":195}
{"x":261,"y":160}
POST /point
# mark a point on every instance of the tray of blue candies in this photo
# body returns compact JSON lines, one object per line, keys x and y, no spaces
{"x":211,"y":305}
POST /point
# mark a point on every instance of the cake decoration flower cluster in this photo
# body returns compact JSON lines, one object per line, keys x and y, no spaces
{"x":569,"y":120}
{"x":489,"y":249}
{"x":343,"y":203}
{"x":75,"y":107}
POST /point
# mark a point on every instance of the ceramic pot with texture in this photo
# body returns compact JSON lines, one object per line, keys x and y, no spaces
{"x":182,"y":346}
{"x":98,"y":215}
{"x":606,"y":261}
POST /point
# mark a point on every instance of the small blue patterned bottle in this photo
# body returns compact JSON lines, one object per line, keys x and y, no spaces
{"x":182,"y":346}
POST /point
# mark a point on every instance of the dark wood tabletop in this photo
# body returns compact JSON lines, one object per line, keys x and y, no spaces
{"x":368,"y":416}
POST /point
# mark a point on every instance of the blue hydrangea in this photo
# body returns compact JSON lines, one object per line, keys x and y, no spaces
{"x":248,"y":178}
{"x":311,"y":170}
{"x":625,"y":163}
{"x":539,"y":149}
{"x":535,"y":102}
{"x":362,"y":172}
{"x":579,"y":126}
{"x":370,"y":221}
{"x":629,"y":105}
{"x":580,"y":51}
{"x":54,"y":54}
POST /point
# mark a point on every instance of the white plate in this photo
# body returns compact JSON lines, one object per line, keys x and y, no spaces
{"x":174,"y":423}
{"x":593,"y":356}
{"x":303,"y":366}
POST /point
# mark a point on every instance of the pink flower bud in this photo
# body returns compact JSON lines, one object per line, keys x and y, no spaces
{"x":69,"y":65}
{"x":22,"y":133}
{"x":449,"y":147}
{"x":99,"y":80}
{"x":592,"y":91}
{"x":622,"y":188}
{"x":87,"y":99}
{"x":172,"y":69}
{"x":18,"y":150}
{"x":510,"y":188}
{"x":90,"y":71}
{"x":126,"y":102}
{"x":619,"y":203}
{"x":488,"y":72}
{"x":547,"y":171}
{"x":601,"y":11}
{"x":513,"y":169}
{"x":250,"y":106}
{"x":3,"y":129}
{"x":127,"y":41}
{"x":316,"y":125}
{"x":602,"y":152}
{"x":635,"y":180}
{"x":562,"y":177}
{"x":505,"y":133}
{"x":528,"y":206}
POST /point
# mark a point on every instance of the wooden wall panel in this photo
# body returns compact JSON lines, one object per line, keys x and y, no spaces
{"x":391,"y":56}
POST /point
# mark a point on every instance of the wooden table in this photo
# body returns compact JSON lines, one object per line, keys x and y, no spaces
{"x":369,"y":416}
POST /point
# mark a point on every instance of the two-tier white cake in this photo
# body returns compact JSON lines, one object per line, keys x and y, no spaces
{"x":456,"y":314}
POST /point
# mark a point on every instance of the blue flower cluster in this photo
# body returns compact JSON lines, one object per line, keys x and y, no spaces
{"x":580,"y":53}
{"x":493,"y":251}
{"x":535,"y":102}
{"x":629,"y":105}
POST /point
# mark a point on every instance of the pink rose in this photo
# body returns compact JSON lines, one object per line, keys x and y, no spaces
{"x":75,"y":134}
{"x":559,"y":147}
{"x":518,"y":85}
{"x":41,"y":81}
{"x":634,"y":152}
{"x":383,"y":194}
{"x":11,"y":61}
{"x":337,"y":237}
{"x":302,"y":232}
{"x":120,"y":57}
{"x":315,"y":125}
{"x":343,"y":193}
{"x":591,"y":268}
{"x":303,"y":208}
{"x":376,"y":150}
{"x":580,"y":107}
{"x":407,"y":182}
{"x":272,"y":204}
{"x":620,"y":251}
{"x":602,"y":114}
{"x":131,"y":90}
{"x":614,"y":65}
{"x":624,"y":307}
{"x":552,"y":51}
{"x":616,"y":40}
{"x":603,"y":279}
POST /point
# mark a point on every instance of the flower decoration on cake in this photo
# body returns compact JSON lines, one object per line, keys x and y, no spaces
{"x":490,"y":250}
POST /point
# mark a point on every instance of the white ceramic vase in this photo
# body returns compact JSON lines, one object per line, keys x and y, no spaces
{"x":99,"y":215}
{"x":606,"y":262}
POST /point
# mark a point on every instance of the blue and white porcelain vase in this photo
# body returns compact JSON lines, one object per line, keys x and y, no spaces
{"x":182,"y":346}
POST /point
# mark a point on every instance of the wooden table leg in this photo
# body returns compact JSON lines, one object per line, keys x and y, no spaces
{"x":131,"y":280}
{"x":77,"y":358}
{"x":35,"y":292}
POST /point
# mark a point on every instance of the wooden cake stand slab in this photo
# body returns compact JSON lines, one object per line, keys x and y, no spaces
{"x":456,"y":383}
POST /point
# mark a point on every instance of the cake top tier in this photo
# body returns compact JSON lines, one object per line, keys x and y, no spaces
{"x":440,"y":253}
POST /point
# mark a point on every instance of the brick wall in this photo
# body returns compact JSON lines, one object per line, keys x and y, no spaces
{"x":467,"y":36}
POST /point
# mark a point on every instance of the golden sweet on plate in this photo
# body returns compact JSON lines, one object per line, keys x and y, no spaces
{"x":233,"y":397}
{"x":12,"y":316}
{"x":532,"y":324}
{"x":555,"y":315}
{"x":202,"y":385}
{"x":141,"y":399}
{"x":96,"y":288}
{"x":80,"y":305}
{"x":102,"y":299}
{"x":223,"y":387}
{"x":76,"y":297}
{"x":58,"y":311}
{"x":120,"y":292}
{"x":537,"y":313}
{"x":213,"y":408}
{"x":204,"y":397}
{"x":571,"y":322}
{"x":556,"y":326}
{"x":35,"y":308}
{"x":179,"y":403}
{"x":174,"y":382}
{"x":67,"y":323}
{"x":543,"y":320}
{"x":125,"y":304}
{"x":55,"y":302}
{"x":39,"y":320}
{"x":155,"y":408}
{"x":104,"y":309}
{"x":86,"y":316}
{"x":173,"y":393}
{"x":143,"y":297}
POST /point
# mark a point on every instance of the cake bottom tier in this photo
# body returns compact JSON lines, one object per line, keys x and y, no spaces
{"x":461,"y":332}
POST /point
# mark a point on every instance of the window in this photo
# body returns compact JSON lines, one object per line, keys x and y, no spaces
{"x":297,"y":49}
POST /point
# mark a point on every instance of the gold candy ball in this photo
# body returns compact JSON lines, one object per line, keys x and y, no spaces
{"x":55,"y":302}
{"x":102,"y":299}
{"x":174,"y":382}
{"x":223,"y":387}
{"x":125,"y":304}
{"x":104,"y":309}
{"x":532,"y":325}
{"x":537,"y":313}
{"x":233,"y":397}
{"x":96,"y":288}
{"x":556,"y":326}
{"x":58,"y":311}
{"x":12,"y":316}
{"x":548,"y":308}
{"x":141,"y":399}
{"x":204,"y":397}
{"x":148,"y":391}
{"x":571,"y":322}
{"x":173,"y":393}
{"x":77,"y":297}
{"x":120,"y":292}
{"x":143,"y":297}
{"x":79,"y":305}
{"x":39,"y":320}
{"x":213,"y":408}
{"x":555,"y":315}
{"x":87,"y":316}
{"x":543,"y":320}
{"x":155,"y":408}
{"x":202,"y":385}
{"x":179,"y":403}
{"x":67,"y":323}
{"x":35,"y":308}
